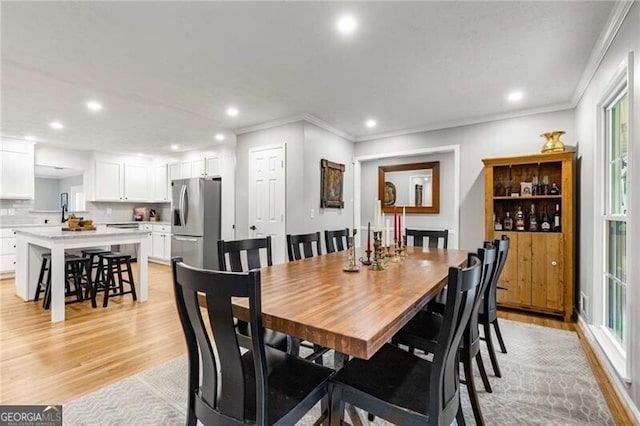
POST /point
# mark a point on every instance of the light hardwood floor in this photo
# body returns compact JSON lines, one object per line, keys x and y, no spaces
{"x":46,"y":363}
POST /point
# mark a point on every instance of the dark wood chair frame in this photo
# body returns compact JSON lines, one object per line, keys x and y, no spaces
{"x":488,"y":310}
{"x":470,"y":348}
{"x":443,"y":372}
{"x":251,"y":246}
{"x":231,"y":402}
{"x":333,"y":240}
{"x":433,"y":237}
{"x":307,"y":241}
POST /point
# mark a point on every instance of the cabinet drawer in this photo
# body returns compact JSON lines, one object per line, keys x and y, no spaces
{"x":7,"y":232}
{"x":146,"y":227}
{"x":8,"y":246}
{"x":161,"y":228}
{"x":7,"y":262}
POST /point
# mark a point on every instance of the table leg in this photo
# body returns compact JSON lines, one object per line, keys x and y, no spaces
{"x":57,"y":283}
{"x":339,"y":359}
{"x":143,"y":268}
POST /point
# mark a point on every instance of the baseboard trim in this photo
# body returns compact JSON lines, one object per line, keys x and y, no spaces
{"x":622,"y":407}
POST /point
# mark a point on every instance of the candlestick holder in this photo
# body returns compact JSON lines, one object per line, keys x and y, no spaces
{"x":396,"y":252}
{"x":351,"y":266}
{"x":403,"y":247}
{"x":377,"y":264}
{"x":366,"y":261}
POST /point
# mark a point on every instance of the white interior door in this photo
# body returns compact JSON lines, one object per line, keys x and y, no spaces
{"x":267,"y":197}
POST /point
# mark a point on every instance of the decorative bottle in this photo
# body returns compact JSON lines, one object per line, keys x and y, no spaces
{"x":545,"y":224}
{"x":555,"y":189}
{"x":557,"y":223}
{"x":508,"y":222}
{"x":533,"y":219}
{"x":519,"y":219}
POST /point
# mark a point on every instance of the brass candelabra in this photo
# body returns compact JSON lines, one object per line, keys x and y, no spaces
{"x":377,"y":264}
{"x":351,"y":266}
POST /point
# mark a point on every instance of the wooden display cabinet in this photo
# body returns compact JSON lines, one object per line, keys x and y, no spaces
{"x":539,"y":272}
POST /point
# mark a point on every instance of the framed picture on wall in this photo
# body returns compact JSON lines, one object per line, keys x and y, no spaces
{"x":332,"y":183}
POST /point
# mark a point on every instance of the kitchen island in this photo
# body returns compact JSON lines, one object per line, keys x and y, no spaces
{"x":31,"y":243}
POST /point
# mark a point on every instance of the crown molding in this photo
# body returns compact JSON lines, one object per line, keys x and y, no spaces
{"x":614,"y":22}
{"x":461,"y":123}
{"x":293,"y":119}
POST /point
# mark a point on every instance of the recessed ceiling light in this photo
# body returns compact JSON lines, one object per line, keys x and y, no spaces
{"x":174,"y":147}
{"x":219,"y":137}
{"x":232,"y":111}
{"x":29,"y":138}
{"x":515,"y":96}
{"x":56,"y":125}
{"x":347,"y":24}
{"x":371,"y":123}
{"x":94,"y":105}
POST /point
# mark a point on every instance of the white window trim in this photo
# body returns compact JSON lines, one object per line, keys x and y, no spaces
{"x":617,"y":355}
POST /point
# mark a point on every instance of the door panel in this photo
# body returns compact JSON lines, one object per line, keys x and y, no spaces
{"x":548,"y":271}
{"x":189,"y":248}
{"x":267,"y":197}
{"x":509,"y":276}
{"x":524,"y":268}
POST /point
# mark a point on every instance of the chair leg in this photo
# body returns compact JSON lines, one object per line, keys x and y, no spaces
{"x":460,"y":416}
{"x":467,"y":361}
{"x":43,"y":270}
{"x":483,"y":373}
{"x":317,"y":348}
{"x":337,"y":405}
{"x":491,"y":350}
{"x":131,"y":283}
{"x":109,"y":279}
{"x":503,"y":348}
{"x":325,"y":410}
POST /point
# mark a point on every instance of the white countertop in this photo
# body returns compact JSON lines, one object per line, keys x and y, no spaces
{"x":57,"y":233}
{"x":18,"y":226}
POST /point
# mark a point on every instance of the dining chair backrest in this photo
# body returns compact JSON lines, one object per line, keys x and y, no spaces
{"x":489,"y":302}
{"x":433,"y":237}
{"x":209,"y":401}
{"x":487,"y":256}
{"x":307,"y":241}
{"x":462,"y":287}
{"x":251,"y":248}
{"x":336,"y":240}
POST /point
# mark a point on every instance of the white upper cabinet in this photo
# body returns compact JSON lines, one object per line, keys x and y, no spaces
{"x":136,"y":183}
{"x":17,"y":171}
{"x":108,"y":178}
{"x":213,"y":166}
{"x":160,"y":184}
{"x":197,"y":168}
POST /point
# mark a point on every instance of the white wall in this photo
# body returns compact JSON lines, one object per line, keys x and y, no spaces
{"x":500,"y":138}
{"x":47,"y":194}
{"x":442,"y":220}
{"x":293,"y":136}
{"x":627,"y":40}
{"x":319,"y":144}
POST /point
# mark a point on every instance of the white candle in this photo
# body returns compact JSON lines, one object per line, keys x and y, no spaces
{"x":404,"y":224}
{"x":388,"y":232}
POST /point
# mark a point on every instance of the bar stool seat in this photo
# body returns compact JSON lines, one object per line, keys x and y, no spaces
{"x":112,"y":265}
{"x":92,"y":254}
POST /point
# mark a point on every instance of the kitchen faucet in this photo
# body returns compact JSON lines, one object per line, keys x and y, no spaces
{"x":64,"y":219}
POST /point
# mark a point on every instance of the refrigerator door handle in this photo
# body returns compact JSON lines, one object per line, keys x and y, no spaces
{"x":185,"y":239}
{"x":183,"y":192}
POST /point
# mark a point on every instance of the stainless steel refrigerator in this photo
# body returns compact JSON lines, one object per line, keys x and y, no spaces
{"x":195,"y":221}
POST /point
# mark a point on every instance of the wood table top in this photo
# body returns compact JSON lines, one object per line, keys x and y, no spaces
{"x":352,"y":312}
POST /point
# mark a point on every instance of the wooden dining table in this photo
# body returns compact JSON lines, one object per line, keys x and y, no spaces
{"x":354,"y":313}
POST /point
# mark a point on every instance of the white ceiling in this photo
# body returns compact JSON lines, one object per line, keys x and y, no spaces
{"x":166,"y":71}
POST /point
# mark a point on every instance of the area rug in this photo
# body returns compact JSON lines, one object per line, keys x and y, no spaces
{"x":546,"y":380}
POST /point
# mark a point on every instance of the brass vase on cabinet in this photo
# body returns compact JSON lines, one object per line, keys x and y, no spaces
{"x":553,"y":144}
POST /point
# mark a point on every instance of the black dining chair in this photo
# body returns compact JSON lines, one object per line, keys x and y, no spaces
{"x":423,"y":330}
{"x":229,"y":386}
{"x":336,"y":240}
{"x":230,"y":256}
{"x":403,"y":388}
{"x":434,"y":238}
{"x":306,"y":242}
{"x":488,"y":314}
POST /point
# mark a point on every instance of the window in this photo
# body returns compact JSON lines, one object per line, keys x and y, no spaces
{"x":612,"y":218}
{"x":615,"y":216}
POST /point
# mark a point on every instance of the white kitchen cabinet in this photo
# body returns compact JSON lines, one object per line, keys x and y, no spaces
{"x":17,"y":170}
{"x":7,"y":251}
{"x":136,"y":183}
{"x":213,"y":166}
{"x":108,"y":179}
{"x":161,"y":242}
{"x":159,"y":183}
{"x":119,"y":181}
{"x":175,"y":172}
{"x":197,"y":168}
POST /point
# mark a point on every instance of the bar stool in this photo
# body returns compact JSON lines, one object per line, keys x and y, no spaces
{"x":92,"y":254}
{"x":114,"y":264}
{"x":78,"y":280}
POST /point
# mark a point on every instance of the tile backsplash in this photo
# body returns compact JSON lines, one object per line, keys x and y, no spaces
{"x":21,"y":212}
